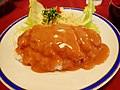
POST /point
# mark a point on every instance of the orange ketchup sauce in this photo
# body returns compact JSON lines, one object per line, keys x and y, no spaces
{"x":61,"y":48}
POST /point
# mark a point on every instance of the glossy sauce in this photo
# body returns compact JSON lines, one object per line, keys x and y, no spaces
{"x":61,"y":48}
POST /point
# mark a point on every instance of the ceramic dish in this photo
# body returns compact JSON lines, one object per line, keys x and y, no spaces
{"x":17,"y":76}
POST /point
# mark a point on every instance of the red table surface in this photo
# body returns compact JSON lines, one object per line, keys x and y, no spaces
{"x":22,"y":7}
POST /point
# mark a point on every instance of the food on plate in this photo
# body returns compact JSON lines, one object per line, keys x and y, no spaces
{"x":61,"y":47}
{"x":52,"y":44}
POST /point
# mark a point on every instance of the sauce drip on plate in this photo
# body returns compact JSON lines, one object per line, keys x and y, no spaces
{"x":61,"y":48}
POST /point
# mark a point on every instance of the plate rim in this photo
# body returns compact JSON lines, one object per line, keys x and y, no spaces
{"x":110,"y":74}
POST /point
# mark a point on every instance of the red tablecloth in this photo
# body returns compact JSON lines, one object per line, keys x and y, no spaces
{"x":22,"y":9}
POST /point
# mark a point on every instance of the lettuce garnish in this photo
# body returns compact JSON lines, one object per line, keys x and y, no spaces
{"x":87,"y":20}
{"x":36,"y":15}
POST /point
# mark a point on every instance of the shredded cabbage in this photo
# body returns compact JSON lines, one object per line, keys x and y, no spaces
{"x":70,"y":18}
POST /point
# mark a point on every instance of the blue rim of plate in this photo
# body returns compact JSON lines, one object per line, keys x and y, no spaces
{"x":103,"y":79}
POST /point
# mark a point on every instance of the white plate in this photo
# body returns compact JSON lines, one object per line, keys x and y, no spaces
{"x":17,"y":76}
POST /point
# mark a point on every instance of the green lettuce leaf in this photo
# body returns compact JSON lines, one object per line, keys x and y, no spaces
{"x":35,"y":14}
{"x":87,"y":14}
